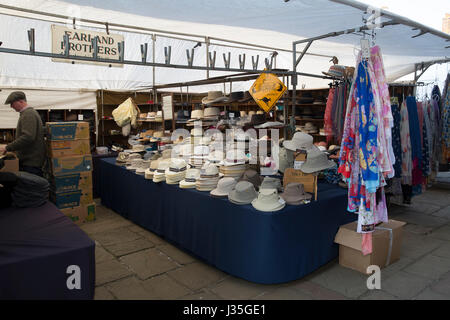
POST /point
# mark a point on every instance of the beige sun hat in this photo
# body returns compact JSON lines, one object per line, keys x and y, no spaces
{"x":316,"y":161}
{"x":294,"y":194}
{"x":243,"y":193}
{"x":196,"y":115}
{"x":300,"y":141}
{"x":160,"y":174}
{"x":224,"y":187}
{"x":214,"y":97}
{"x":176,"y":171}
{"x":268,"y":201}
{"x":234,"y":157}
{"x":211,"y":113}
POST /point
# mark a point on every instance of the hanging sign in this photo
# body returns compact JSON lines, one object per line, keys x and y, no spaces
{"x":167,"y":107}
{"x":80,"y":44}
{"x":267,"y":90}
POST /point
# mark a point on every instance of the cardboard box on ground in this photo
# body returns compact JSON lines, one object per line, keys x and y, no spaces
{"x":386,"y":246}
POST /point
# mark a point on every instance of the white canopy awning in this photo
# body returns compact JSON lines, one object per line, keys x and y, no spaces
{"x":270,"y":23}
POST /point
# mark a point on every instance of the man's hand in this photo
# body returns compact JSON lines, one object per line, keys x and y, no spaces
{"x":2,"y":150}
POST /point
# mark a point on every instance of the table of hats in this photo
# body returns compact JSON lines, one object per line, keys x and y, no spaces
{"x":242,"y":240}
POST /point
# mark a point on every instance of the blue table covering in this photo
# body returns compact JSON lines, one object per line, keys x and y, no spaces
{"x":37,"y":245}
{"x":261,"y":247}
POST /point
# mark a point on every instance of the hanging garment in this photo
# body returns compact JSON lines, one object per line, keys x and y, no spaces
{"x":427,"y":149}
{"x":420,"y":116}
{"x":416,"y":148}
{"x":406,"y":146}
{"x":396,"y":140}
{"x":328,"y":124}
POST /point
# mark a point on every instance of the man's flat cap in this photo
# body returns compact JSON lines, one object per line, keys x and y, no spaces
{"x":15,"y":96}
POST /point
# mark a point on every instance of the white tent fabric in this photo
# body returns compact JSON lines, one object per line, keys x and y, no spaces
{"x":41,"y":99}
{"x":264,"y":22}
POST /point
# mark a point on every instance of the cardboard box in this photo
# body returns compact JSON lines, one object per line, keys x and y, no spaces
{"x":80,"y":214}
{"x":309,"y":180}
{"x":61,"y":131}
{"x":383,"y":251}
{"x":70,"y":165}
{"x":68,"y":148}
{"x":71,"y":199}
{"x":72,"y":182}
{"x":11,"y":165}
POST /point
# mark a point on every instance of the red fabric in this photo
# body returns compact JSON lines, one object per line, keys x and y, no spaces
{"x":328,"y":123}
{"x":366,"y":243}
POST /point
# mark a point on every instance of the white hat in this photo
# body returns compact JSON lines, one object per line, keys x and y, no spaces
{"x":160,"y":174}
{"x":300,"y":141}
{"x":235,"y":157}
{"x":135,"y":164}
{"x":268,"y":200}
{"x":153,"y":167}
{"x":209,"y":177}
{"x":176,"y":171}
{"x":196,"y":115}
{"x":309,"y":127}
{"x":211,"y":113}
{"x":143,"y":167}
{"x":224,"y":187}
{"x":190,"y":179}
{"x":197,"y":132}
{"x":214,"y":97}
{"x":216,"y":157}
{"x":316,"y":161}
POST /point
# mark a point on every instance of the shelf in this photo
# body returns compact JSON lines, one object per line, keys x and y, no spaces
{"x":308,"y":119}
{"x":156,"y":121}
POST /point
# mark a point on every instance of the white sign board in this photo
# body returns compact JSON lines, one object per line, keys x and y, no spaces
{"x":80,"y":44}
{"x":167,"y":107}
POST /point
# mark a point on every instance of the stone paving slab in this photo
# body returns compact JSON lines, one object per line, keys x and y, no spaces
{"x":115,"y":236}
{"x":197,"y":275}
{"x":129,"y":289}
{"x":443,"y":286}
{"x":237,"y":289}
{"x":405,"y":285}
{"x":443,"y":251}
{"x":150,"y":236}
{"x":283,"y":294}
{"x":202,"y":295}
{"x":101,"y":254}
{"x":424,"y":207}
{"x":417,"y":229}
{"x":429,"y":294}
{"x":124,"y":248}
{"x":109,"y":271}
{"x":176,"y":254}
{"x":348,"y":282}
{"x":165,"y":288}
{"x":443,"y":213}
{"x":101,"y":293}
{"x":395,"y":267}
{"x":148,"y":263}
{"x":430,"y":266}
{"x":314,"y":290}
{"x":378,"y":295}
{"x":104,"y":225}
{"x":421,"y":219}
{"x":434,"y":196}
{"x":414,"y":246}
{"x":442,"y":233}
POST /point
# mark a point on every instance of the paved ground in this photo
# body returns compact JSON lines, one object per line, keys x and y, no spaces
{"x":133,"y":263}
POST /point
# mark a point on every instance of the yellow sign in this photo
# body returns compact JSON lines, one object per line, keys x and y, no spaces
{"x":267,"y":90}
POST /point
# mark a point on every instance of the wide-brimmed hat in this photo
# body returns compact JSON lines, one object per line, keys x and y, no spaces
{"x":256,"y":120}
{"x":224,"y":187}
{"x":137,"y":148}
{"x":235,"y":96}
{"x":190,"y":179}
{"x":316,"y":161}
{"x":234,"y":157}
{"x":253,"y":177}
{"x":243,"y":193}
{"x":216,"y":157}
{"x":143,"y":167}
{"x":214,"y":97}
{"x":135,"y":164}
{"x":211,"y":113}
{"x":153,"y":167}
{"x":209,"y":177}
{"x":294,"y":194}
{"x":247,"y":97}
{"x":300,"y":141}
{"x":336,"y":71}
{"x":176,"y":171}
{"x":309,"y":127}
{"x":268,"y":200}
{"x":271,"y":183}
{"x":160,"y":174}
{"x":196,"y":115}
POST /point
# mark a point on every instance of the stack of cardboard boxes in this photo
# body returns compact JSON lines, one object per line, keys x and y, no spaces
{"x":71,"y":169}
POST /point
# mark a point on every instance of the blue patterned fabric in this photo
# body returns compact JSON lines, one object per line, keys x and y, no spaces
{"x":396,"y":140}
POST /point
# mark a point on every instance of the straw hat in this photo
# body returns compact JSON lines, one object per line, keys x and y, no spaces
{"x":294,"y":194}
{"x":137,"y":148}
{"x":143,"y":167}
{"x":268,"y":200}
{"x":190,"y":179}
{"x":153,"y":167}
{"x":214,"y":97}
{"x":336,"y":71}
{"x":160,"y":174}
{"x":196,"y":115}
{"x":316,"y":161}
{"x":209,"y":177}
{"x":234,"y":157}
{"x":176,"y":171}
{"x":243,"y":193}
{"x":197,"y":132}
{"x":300,"y":141}
{"x":224,"y":187}
{"x":216,"y":157}
{"x":135,"y":164}
{"x":151,"y":115}
{"x":211,"y":113}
